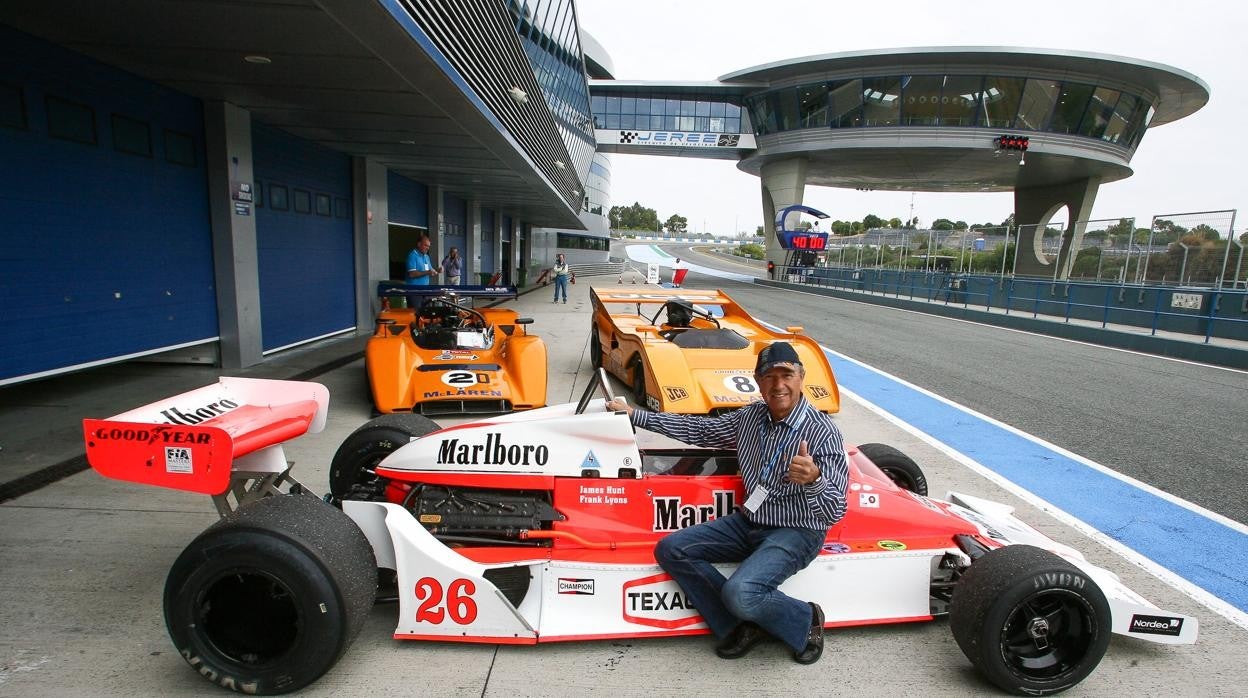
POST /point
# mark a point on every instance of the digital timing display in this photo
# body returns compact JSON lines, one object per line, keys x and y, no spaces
{"x":816,"y":242}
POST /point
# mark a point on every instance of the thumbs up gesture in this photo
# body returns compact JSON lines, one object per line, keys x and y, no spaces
{"x":802,"y":468}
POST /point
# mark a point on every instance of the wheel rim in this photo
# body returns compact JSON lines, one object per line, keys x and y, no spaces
{"x":1048,"y":635}
{"x":249,"y":617}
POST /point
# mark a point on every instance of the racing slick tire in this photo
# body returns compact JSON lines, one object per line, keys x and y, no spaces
{"x":639,"y":383}
{"x":1031,"y":622}
{"x":360,"y":452}
{"x":899,"y":467}
{"x":595,"y":347}
{"x":266,"y":600}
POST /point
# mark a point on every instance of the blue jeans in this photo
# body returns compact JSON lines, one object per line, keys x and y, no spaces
{"x":768,"y":556}
{"x":561,"y":284}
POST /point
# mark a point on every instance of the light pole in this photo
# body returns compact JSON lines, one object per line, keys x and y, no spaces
{"x":1183,"y":267}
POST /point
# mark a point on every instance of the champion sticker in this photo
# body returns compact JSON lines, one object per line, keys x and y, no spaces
{"x":178,"y":460}
{"x":891,"y":545}
{"x":578,"y":587}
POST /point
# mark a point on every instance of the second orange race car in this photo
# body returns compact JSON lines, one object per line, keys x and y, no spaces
{"x":693,"y":351}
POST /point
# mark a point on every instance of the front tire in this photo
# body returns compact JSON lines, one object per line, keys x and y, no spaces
{"x":1031,"y":622}
{"x":266,"y":600}
{"x":595,"y":347}
{"x":899,"y":467}
{"x":356,"y":459}
{"x":639,"y":384}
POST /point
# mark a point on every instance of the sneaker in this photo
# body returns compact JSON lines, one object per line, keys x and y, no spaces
{"x":565,"y":301}
{"x":814,"y":639}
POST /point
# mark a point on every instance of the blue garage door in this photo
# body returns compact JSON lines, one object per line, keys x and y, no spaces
{"x":106,"y":248}
{"x":303,"y":238}
{"x":456,"y":220}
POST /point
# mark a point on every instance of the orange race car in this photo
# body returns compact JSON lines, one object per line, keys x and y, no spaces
{"x":441,"y":355}
{"x":693,"y":351}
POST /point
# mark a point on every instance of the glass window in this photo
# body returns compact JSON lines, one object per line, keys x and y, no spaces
{"x":732,"y":125}
{"x":598,"y":104}
{"x":1100,"y":111}
{"x":12,"y":107}
{"x":672,"y":106}
{"x":629,"y":120}
{"x":761,"y":114}
{"x":341,"y":208}
{"x":702,"y":108}
{"x":812,"y":105}
{"x":259,"y":194}
{"x":1116,"y":129}
{"x":657,"y":107}
{"x":669,"y":122}
{"x":303,"y":201}
{"x":131,"y":136}
{"x":1000,"y":100}
{"x":1072,"y":101}
{"x":179,"y":148}
{"x":599,"y":121}
{"x":1039,"y":96}
{"x":732,"y":110}
{"x":783,"y":104}
{"x":613,"y":121}
{"x":686,"y":107}
{"x":715,"y":124}
{"x":684,"y":123}
{"x":324,"y":205}
{"x":717,"y":109}
{"x":70,"y":121}
{"x":920,"y":95}
{"x":277,"y":197}
{"x":881,"y":101}
{"x":845,"y":103}
{"x":628,"y":105}
{"x":613,"y":105}
{"x":959,"y":101}
{"x":643,"y":105}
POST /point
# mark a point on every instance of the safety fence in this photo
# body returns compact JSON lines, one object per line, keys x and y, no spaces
{"x":1205,"y":313}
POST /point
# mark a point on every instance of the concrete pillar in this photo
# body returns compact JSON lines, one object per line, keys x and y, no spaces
{"x":472,"y":243}
{"x":783,"y":184}
{"x":498,"y":241}
{"x":437,"y":222}
{"x":227,"y":144}
{"x":370,"y":210}
{"x":1034,"y":207}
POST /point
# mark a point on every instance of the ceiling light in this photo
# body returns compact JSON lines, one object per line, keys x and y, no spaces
{"x":559,"y":164}
{"x":519,"y":95}
{"x":408,"y":142}
{"x":259,"y":60}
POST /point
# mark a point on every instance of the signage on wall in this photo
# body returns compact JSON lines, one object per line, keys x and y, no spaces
{"x":241,"y":191}
{"x":242,"y":208}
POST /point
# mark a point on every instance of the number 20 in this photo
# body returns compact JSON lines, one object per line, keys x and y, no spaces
{"x":459,"y":604}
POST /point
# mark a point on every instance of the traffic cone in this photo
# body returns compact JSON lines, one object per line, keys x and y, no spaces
{"x":621,"y":279}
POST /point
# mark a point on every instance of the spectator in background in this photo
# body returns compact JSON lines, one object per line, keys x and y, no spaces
{"x":679,"y":269}
{"x":420,"y":271}
{"x":451,"y":266}
{"x":562,"y":272}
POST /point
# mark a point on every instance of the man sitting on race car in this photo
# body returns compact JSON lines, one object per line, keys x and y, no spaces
{"x":679,"y":318}
{"x":784,"y":521}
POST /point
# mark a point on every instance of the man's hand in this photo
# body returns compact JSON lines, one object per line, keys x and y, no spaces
{"x":802,"y":469}
{"x":617,"y":404}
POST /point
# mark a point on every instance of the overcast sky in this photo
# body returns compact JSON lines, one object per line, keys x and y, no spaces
{"x":1194,"y":164}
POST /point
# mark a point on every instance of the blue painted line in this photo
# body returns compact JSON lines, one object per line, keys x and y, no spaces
{"x":1205,"y":552}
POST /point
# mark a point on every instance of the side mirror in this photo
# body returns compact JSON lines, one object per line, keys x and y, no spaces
{"x":524,"y":321}
{"x":795,"y":329}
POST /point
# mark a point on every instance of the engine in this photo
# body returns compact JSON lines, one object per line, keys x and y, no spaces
{"x":470,"y":515}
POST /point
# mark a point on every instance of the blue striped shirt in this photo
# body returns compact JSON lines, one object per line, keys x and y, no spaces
{"x":759,"y":441}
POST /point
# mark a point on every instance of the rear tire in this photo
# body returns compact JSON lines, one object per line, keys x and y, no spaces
{"x":899,"y":467}
{"x":1030,"y":621}
{"x":266,"y":600}
{"x":356,"y":459}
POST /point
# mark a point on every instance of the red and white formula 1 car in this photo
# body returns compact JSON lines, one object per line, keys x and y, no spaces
{"x":539,"y":527}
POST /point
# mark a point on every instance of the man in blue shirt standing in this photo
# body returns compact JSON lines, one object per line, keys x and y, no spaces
{"x":795,"y":474}
{"x":420,"y":271}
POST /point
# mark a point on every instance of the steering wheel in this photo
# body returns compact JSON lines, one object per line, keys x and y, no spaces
{"x":598,"y":382}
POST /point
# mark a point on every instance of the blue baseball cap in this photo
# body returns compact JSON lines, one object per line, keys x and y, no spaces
{"x":777,"y":354}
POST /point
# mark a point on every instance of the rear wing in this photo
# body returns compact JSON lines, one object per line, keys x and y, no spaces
{"x":658,"y":296}
{"x":389,"y":289}
{"x":201,"y":440}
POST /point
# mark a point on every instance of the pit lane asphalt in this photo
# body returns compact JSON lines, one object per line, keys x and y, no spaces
{"x":84,"y":561}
